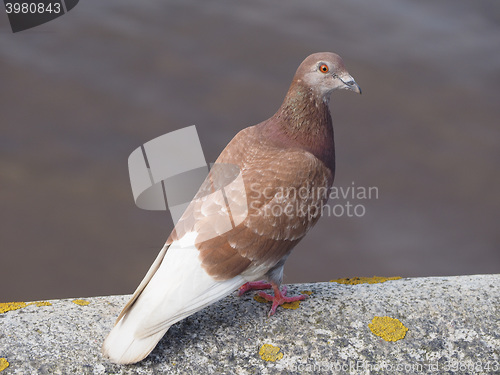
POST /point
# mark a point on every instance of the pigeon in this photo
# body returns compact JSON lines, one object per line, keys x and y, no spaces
{"x":287,"y":166}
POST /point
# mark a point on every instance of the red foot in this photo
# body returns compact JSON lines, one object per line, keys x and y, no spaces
{"x":279,"y":298}
{"x":253,"y":285}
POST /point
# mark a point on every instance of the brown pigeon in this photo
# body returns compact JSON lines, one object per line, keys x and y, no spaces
{"x":286,"y":166}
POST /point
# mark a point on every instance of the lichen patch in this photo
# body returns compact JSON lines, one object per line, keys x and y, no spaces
{"x":260,"y":299}
{"x":364,"y":280}
{"x":270,"y":353}
{"x":390,"y":329}
{"x":291,"y":305}
{"x":3,"y":364}
{"x":11,"y":306}
{"x":81,"y":302}
{"x":287,"y":305}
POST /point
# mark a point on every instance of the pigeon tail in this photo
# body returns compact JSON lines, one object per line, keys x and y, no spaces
{"x":123,"y":347}
{"x":175,"y":287}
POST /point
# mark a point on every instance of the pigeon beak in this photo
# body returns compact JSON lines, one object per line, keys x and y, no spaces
{"x":351,"y":84}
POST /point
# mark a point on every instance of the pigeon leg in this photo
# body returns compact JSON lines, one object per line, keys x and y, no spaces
{"x":252,"y":286}
{"x":279,"y":298}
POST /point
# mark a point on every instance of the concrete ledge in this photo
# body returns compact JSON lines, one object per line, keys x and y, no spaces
{"x":453,"y":328}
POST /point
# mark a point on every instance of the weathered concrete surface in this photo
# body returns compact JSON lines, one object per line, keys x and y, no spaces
{"x":453,"y":328}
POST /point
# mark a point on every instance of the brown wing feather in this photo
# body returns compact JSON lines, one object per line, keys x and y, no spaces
{"x":268,"y":232}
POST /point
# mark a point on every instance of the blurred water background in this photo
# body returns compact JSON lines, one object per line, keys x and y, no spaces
{"x":79,"y":94}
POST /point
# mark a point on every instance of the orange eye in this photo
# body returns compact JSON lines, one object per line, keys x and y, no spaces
{"x":324,"y":68}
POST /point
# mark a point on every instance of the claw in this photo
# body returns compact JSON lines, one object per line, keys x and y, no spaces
{"x":252,"y":286}
{"x":279,"y":298}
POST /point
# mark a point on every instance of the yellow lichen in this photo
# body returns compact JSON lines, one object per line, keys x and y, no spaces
{"x":10,"y":306}
{"x":260,"y":299}
{"x":364,"y":280}
{"x":291,"y":305}
{"x":3,"y":364}
{"x":308,"y":292}
{"x":287,"y":305}
{"x":270,"y":353}
{"x":81,"y":302}
{"x":389,"y":329}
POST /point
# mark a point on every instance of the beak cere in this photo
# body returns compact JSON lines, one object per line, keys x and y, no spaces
{"x":351,"y":84}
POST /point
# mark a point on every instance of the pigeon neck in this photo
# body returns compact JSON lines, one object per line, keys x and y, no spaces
{"x":304,"y":118}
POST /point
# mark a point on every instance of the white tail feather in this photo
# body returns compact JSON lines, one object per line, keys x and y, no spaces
{"x":175,"y":287}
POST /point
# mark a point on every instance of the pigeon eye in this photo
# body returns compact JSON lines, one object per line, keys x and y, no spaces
{"x":324,"y":68}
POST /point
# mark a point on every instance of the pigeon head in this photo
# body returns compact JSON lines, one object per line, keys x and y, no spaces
{"x":323,"y":73}
{"x":304,"y":118}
